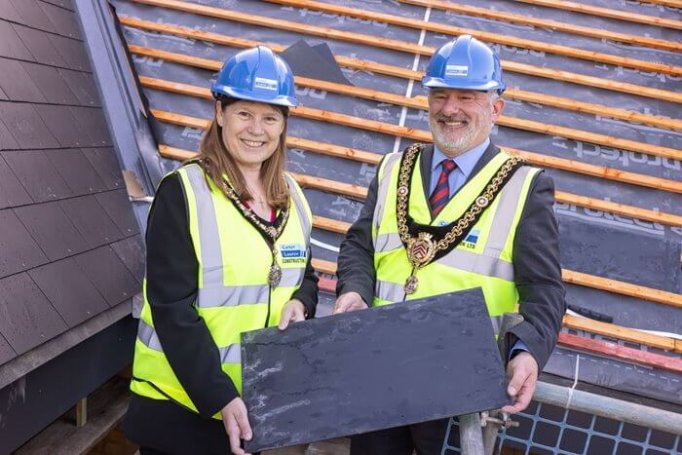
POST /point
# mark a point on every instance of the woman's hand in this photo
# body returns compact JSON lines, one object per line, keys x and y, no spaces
{"x":237,"y":426}
{"x":293,"y":311}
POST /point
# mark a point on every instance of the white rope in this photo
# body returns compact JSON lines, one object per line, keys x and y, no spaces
{"x":575,"y":381}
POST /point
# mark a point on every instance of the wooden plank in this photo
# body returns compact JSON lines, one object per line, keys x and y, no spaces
{"x":607,"y":12}
{"x":323,"y":266}
{"x":362,"y":65}
{"x":506,"y":16}
{"x":328,"y":224}
{"x":626,"y":354}
{"x":504,"y":40}
{"x":420,"y":101}
{"x":319,"y":183}
{"x":623,"y":333}
{"x":621,"y":287}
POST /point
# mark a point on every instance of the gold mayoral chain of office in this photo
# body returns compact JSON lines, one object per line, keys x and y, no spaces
{"x":422,"y":249}
{"x":270,"y":233}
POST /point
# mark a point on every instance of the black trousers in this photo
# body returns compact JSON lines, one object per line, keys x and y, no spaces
{"x":426,"y":438}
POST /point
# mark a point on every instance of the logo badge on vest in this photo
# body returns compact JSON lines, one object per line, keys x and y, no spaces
{"x":293,"y":253}
{"x":471,"y":239}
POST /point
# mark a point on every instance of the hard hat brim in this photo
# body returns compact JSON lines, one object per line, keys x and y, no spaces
{"x":280,"y":100}
{"x":483,"y":86}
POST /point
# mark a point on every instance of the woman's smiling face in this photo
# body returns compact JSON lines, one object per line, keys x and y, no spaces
{"x":251,"y":131}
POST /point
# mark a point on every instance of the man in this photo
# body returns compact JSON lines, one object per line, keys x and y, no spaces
{"x":468,"y":216}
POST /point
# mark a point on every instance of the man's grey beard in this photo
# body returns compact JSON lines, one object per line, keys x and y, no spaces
{"x":449,"y":146}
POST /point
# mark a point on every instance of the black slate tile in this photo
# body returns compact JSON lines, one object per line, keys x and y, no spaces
{"x":10,"y":43}
{"x":69,"y":290}
{"x":52,"y":230}
{"x":37,"y":174}
{"x":76,"y":170}
{"x":6,"y":351}
{"x":39,"y":43}
{"x":26,"y":317}
{"x":19,"y":251}
{"x":26,"y":127}
{"x":17,"y":83}
{"x":107,"y":166}
{"x":8,"y":12}
{"x":132,"y":252}
{"x":68,"y":4}
{"x":106,"y":271}
{"x":12,"y":193}
{"x":82,"y":85}
{"x":7,"y":141}
{"x":367,"y":370}
{"x":96,"y":227}
{"x":119,"y":208}
{"x":93,"y":125}
{"x":50,"y":82}
{"x":73,"y":52}
{"x":61,"y":124}
{"x":32,"y":15}
{"x":63,"y":21}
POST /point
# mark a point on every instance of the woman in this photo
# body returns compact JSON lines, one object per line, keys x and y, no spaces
{"x":215,"y":266}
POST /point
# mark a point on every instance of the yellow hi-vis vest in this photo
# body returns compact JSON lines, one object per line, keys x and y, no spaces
{"x":483,"y":259}
{"x":233,"y":295}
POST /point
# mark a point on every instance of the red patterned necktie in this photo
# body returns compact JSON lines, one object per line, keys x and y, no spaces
{"x":441,"y":193}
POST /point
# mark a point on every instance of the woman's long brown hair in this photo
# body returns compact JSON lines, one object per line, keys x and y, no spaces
{"x":217,"y":162}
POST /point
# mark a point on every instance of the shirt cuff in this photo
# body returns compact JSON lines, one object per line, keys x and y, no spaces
{"x":519,"y":346}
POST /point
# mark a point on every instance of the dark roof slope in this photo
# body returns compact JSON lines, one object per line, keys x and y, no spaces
{"x":70,"y":247}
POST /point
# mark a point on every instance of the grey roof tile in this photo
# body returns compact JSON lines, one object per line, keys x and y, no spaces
{"x":77,"y":171}
{"x":64,"y":21}
{"x":8,"y":12}
{"x":12,"y":193}
{"x":40,"y":45}
{"x":61,"y":124}
{"x":68,"y":4}
{"x":91,"y":221}
{"x":93,"y":124}
{"x":106,"y":271}
{"x":82,"y":85}
{"x":106,"y":163}
{"x":117,"y":205}
{"x":73,"y":52}
{"x":52,"y":230}
{"x":6,"y":351}
{"x":132,"y":253}
{"x":17,"y":83}
{"x":19,"y":251}
{"x":26,"y":317}
{"x":10,"y":43}
{"x":35,"y":171}
{"x":26,"y":127}
{"x":3,"y":95}
{"x":32,"y":14}
{"x":50,"y":82}
{"x":7,"y":141}
{"x":69,"y":290}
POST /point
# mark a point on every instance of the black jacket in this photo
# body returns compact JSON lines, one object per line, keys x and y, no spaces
{"x":537,"y":272}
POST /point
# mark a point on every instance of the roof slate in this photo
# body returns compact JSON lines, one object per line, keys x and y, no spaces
{"x":62,"y":197}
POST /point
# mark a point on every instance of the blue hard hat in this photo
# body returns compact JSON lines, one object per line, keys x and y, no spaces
{"x":465,"y":63}
{"x":256,"y":74}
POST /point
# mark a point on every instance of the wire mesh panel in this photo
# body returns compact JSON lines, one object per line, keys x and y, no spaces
{"x":546,"y":429}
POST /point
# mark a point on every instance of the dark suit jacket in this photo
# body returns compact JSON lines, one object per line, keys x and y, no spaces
{"x":537,"y":272}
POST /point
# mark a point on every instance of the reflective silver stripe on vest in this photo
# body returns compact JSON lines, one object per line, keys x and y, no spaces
{"x":478,"y":263}
{"x":215,"y":296}
{"x":300,"y":208}
{"x":148,"y":336}
{"x":390,"y":161}
{"x":231,"y":354}
{"x":209,"y":239}
{"x":506,"y":209}
{"x":387,"y":242}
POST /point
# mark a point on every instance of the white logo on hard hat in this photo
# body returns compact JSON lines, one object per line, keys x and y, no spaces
{"x":456,"y":70}
{"x":266,"y":84}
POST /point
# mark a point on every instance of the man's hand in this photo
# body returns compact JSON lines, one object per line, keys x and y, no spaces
{"x":350,"y":301}
{"x":236,"y":422}
{"x":522,"y":373}
{"x":293,"y":311}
